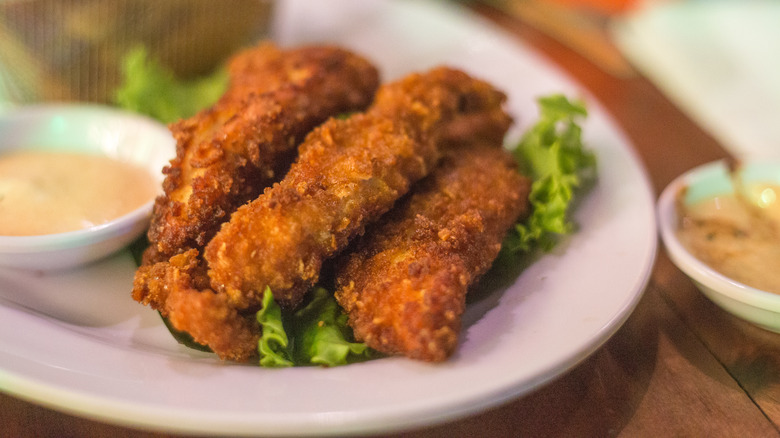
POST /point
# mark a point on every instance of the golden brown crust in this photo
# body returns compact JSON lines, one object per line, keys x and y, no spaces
{"x":405,"y":283}
{"x":227,"y":154}
{"x":348,"y":173}
{"x":191,"y":307}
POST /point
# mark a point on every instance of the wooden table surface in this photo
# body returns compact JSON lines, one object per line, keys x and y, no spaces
{"x":679,"y":366}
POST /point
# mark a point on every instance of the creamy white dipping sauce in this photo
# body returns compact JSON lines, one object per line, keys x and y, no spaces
{"x":46,"y":192}
{"x":738,"y":237}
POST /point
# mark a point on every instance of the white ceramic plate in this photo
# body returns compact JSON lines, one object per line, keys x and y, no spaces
{"x":77,"y":342}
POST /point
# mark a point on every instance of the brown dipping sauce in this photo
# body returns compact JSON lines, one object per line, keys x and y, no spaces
{"x":736,"y":236}
{"x":46,"y":192}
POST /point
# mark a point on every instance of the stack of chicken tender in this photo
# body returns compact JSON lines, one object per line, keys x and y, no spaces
{"x":407,"y":198}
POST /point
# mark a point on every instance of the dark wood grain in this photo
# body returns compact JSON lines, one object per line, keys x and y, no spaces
{"x":750,"y":354}
{"x":680,"y":366}
{"x":653,"y":378}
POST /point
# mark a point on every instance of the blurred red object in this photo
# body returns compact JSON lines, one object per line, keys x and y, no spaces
{"x":610,"y":7}
{"x":582,"y":25}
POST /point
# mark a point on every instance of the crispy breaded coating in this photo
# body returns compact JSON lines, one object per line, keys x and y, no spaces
{"x":227,"y":154}
{"x":404,"y":285}
{"x":190,"y":307}
{"x":348,"y":173}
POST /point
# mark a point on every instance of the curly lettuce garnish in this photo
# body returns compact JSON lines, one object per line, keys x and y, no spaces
{"x":151,"y":89}
{"x":318,"y":334}
{"x":274,"y":346}
{"x":322,"y":334}
{"x":552,"y":153}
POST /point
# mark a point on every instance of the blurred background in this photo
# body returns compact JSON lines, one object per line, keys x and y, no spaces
{"x":716,"y":59}
{"x":73,"y":49}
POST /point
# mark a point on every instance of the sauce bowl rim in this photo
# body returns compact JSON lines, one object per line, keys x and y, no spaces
{"x":692,"y":266}
{"x":132,"y":125}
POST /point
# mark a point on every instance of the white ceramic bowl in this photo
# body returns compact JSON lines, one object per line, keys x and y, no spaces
{"x":751,"y":304}
{"x":92,"y":129}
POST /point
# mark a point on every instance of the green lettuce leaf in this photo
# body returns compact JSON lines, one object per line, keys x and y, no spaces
{"x":317,"y":334}
{"x":322,"y":334}
{"x":274,"y":346}
{"x":149,"y":88}
{"x":552,"y":153}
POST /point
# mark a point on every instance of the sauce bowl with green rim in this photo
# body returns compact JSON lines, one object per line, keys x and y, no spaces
{"x":84,"y":129}
{"x":754,"y":305}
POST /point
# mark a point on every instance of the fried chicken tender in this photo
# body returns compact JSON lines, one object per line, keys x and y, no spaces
{"x":227,"y":154}
{"x":349,"y":172}
{"x":191,"y":307}
{"x":404,"y":285}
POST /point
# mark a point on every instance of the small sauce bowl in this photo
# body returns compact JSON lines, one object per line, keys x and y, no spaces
{"x":89,"y":129}
{"x":757,"y":306}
